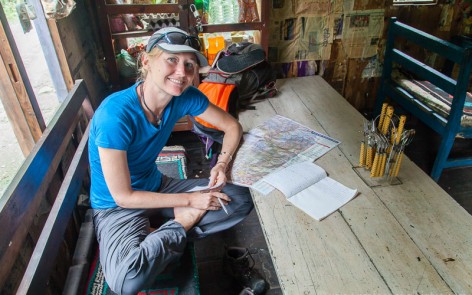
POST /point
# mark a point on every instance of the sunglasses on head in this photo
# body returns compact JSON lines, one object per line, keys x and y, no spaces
{"x":177,"y":38}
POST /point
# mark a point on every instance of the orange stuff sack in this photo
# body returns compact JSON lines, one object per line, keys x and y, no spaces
{"x":224,"y":96}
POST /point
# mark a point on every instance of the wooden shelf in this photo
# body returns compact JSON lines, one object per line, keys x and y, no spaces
{"x":111,"y":9}
{"x":233,"y":27}
{"x":131,"y":34}
{"x":206,"y":29}
{"x":261,"y":26}
{"x":107,"y":11}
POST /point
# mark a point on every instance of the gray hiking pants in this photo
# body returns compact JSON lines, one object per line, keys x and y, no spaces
{"x":131,"y":256}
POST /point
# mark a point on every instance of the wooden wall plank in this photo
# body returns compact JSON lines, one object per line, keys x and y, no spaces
{"x":82,"y":50}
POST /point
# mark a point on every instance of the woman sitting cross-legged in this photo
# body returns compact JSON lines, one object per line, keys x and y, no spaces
{"x":128,"y":131}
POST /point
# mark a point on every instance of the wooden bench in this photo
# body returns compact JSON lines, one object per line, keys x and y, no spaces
{"x":436,"y":98}
{"x":47,"y":185}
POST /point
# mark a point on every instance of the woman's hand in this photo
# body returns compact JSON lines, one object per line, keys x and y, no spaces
{"x":218,"y":175}
{"x":208,"y":200}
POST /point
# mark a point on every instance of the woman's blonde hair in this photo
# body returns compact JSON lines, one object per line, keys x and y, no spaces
{"x":154,"y":53}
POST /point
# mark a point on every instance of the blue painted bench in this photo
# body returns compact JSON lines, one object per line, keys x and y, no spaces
{"x":439,"y":99}
{"x":38,"y":211}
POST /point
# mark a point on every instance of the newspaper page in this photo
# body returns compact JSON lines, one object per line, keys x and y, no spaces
{"x":302,"y":29}
{"x":361,"y":32}
{"x":314,"y":7}
{"x":301,"y":38}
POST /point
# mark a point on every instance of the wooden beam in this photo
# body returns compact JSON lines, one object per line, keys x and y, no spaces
{"x":14,"y":111}
{"x":61,"y":56}
{"x":264,"y":9}
{"x":50,"y":51}
{"x":112,"y":9}
{"x":16,"y":93}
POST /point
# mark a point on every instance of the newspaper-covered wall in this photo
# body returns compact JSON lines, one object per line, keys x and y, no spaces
{"x":361,"y":32}
{"x":302,"y":31}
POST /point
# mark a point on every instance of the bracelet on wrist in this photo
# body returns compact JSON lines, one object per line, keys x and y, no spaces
{"x":230,"y":156}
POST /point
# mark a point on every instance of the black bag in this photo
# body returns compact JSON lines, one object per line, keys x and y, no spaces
{"x":244,"y":65}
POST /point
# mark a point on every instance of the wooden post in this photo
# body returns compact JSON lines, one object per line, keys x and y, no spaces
{"x":16,"y":93}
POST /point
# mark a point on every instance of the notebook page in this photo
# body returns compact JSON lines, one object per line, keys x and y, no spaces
{"x":323,"y":198}
{"x":295,"y":178}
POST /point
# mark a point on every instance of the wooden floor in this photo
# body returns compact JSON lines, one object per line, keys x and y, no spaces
{"x":210,"y":251}
{"x":457,"y":182}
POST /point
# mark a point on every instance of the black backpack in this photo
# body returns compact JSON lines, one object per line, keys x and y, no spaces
{"x":244,"y":65}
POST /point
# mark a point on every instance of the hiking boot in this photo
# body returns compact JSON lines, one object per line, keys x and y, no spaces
{"x":239,"y":264}
{"x":246,"y":291}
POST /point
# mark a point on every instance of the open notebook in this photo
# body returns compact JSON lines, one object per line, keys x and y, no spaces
{"x":308,"y":187}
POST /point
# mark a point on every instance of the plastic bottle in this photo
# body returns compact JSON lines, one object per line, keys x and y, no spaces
{"x":223,"y":12}
{"x":231,"y":11}
{"x":235,"y":12}
{"x":215,"y":44}
{"x":226,"y":11}
{"x":211,"y":51}
{"x":215,"y":13}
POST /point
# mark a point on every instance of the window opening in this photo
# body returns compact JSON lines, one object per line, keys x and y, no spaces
{"x":33,"y":41}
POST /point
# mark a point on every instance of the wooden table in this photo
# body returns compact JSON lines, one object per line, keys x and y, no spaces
{"x":401,"y":239}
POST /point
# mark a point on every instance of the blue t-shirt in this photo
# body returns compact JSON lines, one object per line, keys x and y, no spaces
{"x":119,"y":123}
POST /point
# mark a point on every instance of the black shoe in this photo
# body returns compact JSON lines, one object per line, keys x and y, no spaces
{"x":246,"y":291}
{"x":239,"y":264}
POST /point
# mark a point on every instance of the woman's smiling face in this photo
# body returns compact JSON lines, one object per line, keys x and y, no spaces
{"x":172,"y":73}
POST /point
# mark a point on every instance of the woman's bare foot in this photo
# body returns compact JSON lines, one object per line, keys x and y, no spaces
{"x":188,"y":216}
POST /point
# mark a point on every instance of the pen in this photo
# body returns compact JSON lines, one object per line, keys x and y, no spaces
{"x":223,"y":205}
